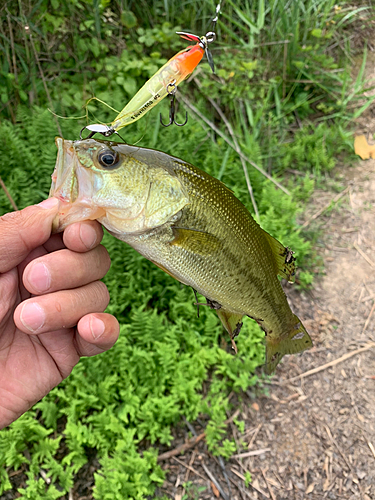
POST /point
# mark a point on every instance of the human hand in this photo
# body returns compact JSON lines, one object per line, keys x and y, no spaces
{"x":51,"y":304}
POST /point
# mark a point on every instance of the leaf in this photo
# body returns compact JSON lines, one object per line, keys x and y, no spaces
{"x":362,"y":148}
{"x":128,"y":19}
{"x":310,"y":488}
{"x":215,"y":490}
{"x":317,"y":33}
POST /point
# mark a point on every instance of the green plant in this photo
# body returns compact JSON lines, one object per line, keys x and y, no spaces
{"x":192,"y":491}
{"x":116,"y":410}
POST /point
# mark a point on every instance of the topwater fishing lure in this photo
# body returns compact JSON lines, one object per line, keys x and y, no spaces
{"x":164,"y":82}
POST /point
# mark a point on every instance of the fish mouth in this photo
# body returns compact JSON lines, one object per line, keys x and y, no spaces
{"x":72,"y":185}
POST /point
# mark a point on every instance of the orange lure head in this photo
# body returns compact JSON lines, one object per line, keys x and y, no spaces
{"x":199,"y":48}
{"x":189,"y":58}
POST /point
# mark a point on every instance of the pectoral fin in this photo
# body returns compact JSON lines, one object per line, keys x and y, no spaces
{"x":194,"y":241}
{"x":232,"y":323}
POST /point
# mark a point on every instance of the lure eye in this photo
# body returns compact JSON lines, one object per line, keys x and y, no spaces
{"x":108,"y":158}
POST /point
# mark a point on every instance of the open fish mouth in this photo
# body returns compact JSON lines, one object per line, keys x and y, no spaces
{"x":72,"y":186}
{"x":64,"y":184}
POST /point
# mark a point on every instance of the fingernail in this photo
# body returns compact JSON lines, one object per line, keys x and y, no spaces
{"x":49,"y":203}
{"x":39,"y":277}
{"x":32,"y":316}
{"x":97,"y":327}
{"x":88,"y":235}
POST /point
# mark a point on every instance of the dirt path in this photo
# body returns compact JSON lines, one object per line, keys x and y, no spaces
{"x":320,"y":429}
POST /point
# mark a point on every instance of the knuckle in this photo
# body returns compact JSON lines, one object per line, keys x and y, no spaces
{"x":91,"y":298}
{"x":102,"y":293}
{"x":18,"y":225}
{"x":8,"y":284}
{"x":103,"y":260}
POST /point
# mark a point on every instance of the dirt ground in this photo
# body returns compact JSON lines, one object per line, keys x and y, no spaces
{"x":313,"y":435}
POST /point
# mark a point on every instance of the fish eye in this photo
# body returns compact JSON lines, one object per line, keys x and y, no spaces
{"x":108,"y":158}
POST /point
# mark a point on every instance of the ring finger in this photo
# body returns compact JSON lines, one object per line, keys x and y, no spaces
{"x":61,"y":309}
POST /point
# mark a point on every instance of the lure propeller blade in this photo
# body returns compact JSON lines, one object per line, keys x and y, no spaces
{"x":188,"y":36}
{"x":210,"y":59}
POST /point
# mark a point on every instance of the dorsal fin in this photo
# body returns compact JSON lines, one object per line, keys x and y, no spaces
{"x":285,"y":261}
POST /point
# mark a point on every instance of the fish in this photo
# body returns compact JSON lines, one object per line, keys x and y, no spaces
{"x":190,"y":225}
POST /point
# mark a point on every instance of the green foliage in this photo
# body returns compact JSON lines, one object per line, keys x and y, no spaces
{"x":315,"y":150}
{"x":248,"y":478}
{"x":118,"y":408}
{"x":109,"y":50}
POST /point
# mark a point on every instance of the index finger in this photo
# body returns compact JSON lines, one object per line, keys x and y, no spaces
{"x":23,"y":231}
{"x":83,"y":236}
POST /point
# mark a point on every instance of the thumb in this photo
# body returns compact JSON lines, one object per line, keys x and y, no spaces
{"x":22,"y":231}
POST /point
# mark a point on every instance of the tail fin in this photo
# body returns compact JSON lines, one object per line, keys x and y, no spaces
{"x":296,"y":340}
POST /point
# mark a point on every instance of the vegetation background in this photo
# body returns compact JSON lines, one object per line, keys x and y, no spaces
{"x":283,"y":94}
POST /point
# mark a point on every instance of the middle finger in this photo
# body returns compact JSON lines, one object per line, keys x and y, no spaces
{"x":65,"y":269}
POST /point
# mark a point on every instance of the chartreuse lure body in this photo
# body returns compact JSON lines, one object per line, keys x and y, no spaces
{"x":190,"y":225}
{"x":164,"y":82}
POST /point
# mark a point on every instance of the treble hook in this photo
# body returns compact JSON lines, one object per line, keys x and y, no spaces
{"x":172,"y":89}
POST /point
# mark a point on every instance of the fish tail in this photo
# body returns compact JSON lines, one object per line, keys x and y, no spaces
{"x":295,"y":340}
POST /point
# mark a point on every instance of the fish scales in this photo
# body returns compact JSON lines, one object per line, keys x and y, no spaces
{"x":193,"y":227}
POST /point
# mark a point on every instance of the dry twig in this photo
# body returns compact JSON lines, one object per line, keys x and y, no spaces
{"x":44,"y":82}
{"x":253,"y":453}
{"x":333,"y":441}
{"x":371,"y":446}
{"x":215,"y":481}
{"x":241,"y":490}
{"x":190,"y":443}
{"x":362,"y":253}
{"x":368,"y":318}
{"x":322,"y":210}
{"x":230,"y":143}
{"x":237,"y":148}
{"x":256,"y":488}
{"x":183,"y":447}
{"x":8,"y":194}
{"x":192,"y":458}
{"x":328,"y":365}
{"x":268,"y":485}
{"x":222,"y":466}
{"x":189,"y":468}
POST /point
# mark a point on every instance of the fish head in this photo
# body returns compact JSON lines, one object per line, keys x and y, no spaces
{"x":127,"y":189}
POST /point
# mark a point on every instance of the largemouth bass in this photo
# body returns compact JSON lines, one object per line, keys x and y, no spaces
{"x":190,"y":225}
